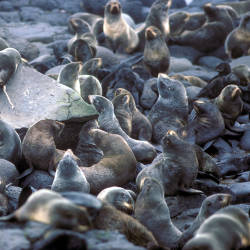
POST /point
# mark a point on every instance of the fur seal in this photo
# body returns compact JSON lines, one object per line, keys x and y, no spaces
{"x":68,"y":176}
{"x":118,"y":165}
{"x":240,"y":7}
{"x":208,"y":207}
{"x":237,"y":43}
{"x":242,"y":71}
{"x":156,"y":53}
{"x":10,"y":143}
{"x":10,"y":58}
{"x":142,"y":150}
{"x":212,"y":34}
{"x":152,"y":211}
{"x":51,"y":208}
{"x":120,"y":198}
{"x":171,"y":108}
{"x":39,"y":148}
{"x":118,"y":34}
{"x":178,"y":167}
{"x":228,"y":228}
{"x":230,"y":104}
{"x":3,"y":44}
{"x":193,"y":80}
{"x":4,"y":203}
{"x":141,"y":126}
{"x":68,"y":76}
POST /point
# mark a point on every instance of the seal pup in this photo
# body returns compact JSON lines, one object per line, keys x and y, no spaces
{"x":177,"y":169}
{"x":208,"y":207}
{"x":237,"y":43}
{"x":10,"y":143}
{"x":118,"y":34}
{"x":118,"y":165}
{"x":142,"y":150}
{"x":152,"y":211}
{"x":156,"y":53}
{"x":212,"y":34}
{"x":230,"y":104}
{"x":141,"y":126}
{"x":68,"y":76}
{"x":171,"y":108}
{"x":68,"y":176}
{"x":228,"y":228}
{"x":51,"y":208}
{"x":10,"y":58}
{"x":120,"y":198}
{"x":39,"y":148}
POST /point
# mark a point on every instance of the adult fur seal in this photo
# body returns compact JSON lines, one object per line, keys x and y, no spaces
{"x":208,"y":207}
{"x":212,"y":34}
{"x":118,"y":165}
{"x":152,"y":211}
{"x":69,"y":176}
{"x":171,"y":108}
{"x":237,"y":43}
{"x":141,"y":126}
{"x":9,"y":61}
{"x":142,"y":150}
{"x":119,"y":35}
{"x":51,"y":208}
{"x":156,"y":53}
{"x":39,"y":148}
{"x":226,"y":229}
{"x":178,"y":167}
{"x":10,"y":143}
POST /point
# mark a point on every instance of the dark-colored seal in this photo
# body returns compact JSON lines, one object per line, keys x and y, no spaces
{"x":142,"y":150}
{"x":208,"y":207}
{"x":237,"y":43}
{"x":68,"y":176}
{"x":39,"y":148}
{"x":10,"y":58}
{"x":156,"y":53}
{"x":141,"y":126}
{"x":171,"y":109}
{"x":122,"y":199}
{"x":243,"y":73}
{"x":226,"y":229}
{"x":212,"y":34}
{"x":119,"y":35}
{"x":118,"y":165}
{"x":152,"y":211}
{"x":68,"y":76}
{"x":178,"y":167}
{"x":51,"y":208}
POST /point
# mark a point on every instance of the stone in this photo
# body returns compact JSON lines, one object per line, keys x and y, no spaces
{"x":6,"y":6}
{"x":43,"y":63}
{"x":30,"y":14}
{"x":44,"y":4}
{"x":13,"y":194}
{"x":241,"y":192}
{"x":209,"y":61}
{"x":36,"y":97}
{"x":10,"y":16}
{"x":241,"y":60}
{"x":35,"y":230}
{"x":179,"y":64}
{"x":244,"y":141}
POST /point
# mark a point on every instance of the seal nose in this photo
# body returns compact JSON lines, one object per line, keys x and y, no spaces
{"x":68,"y":153}
{"x":91,"y":98}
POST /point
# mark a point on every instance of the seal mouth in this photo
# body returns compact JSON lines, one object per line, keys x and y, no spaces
{"x":236,"y":92}
{"x":91,"y":98}
{"x":150,"y":33}
{"x":115,"y":8}
{"x":68,"y":153}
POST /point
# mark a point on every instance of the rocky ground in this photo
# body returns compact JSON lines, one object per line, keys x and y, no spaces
{"x":39,"y":30}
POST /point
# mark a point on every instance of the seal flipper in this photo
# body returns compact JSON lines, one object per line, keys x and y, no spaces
{"x":7,"y":96}
{"x":190,"y":191}
{"x":25,"y":173}
{"x":51,"y":169}
{"x":24,"y":195}
{"x":10,"y":217}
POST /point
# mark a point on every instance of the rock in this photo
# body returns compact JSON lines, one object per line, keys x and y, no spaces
{"x":37,"y":97}
{"x":10,"y":16}
{"x":94,"y":7}
{"x":35,"y":230}
{"x":43,"y":63}
{"x":241,"y":192}
{"x":13,"y":239}
{"x":108,"y":240}
{"x":44,"y":4}
{"x":241,"y":60}
{"x":20,"y":3}
{"x":179,"y":64}
{"x":72,"y":6}
{"x":245,"y":141}
{"x":54,"y":18}
{"x":13,"y":193}
{"x":6,"y":6}
{"x":209,"y":61}
{"x":8,"y":171}
{"x":54,"y":71}
{"x":30,"y":14}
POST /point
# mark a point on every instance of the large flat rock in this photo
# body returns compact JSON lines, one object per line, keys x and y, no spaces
{"x":37,"y":96}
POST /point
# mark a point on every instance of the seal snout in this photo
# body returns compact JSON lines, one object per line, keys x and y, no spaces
{"x":68,"y":154}
{"x":91,"y":98}
{"x":115,"y":8}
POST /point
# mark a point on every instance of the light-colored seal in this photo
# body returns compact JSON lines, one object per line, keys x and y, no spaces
{"x":238,"y":41}
{"x":208,"y":207}
{"x":156,"y":53}
{"x":69,"y":176}
{"x":141,"y":126}
{"x":51,"y":208}
{"x":119,"y":35}
{"x":122,"y":199}
{"x":39,"y":148}
{"x":10,"y":58}
{"x":142,"y":150}
{"x":177,"y":169}
{"x":152,"y":211}
{"x":193,"y":80}
{"x":226,"y":229}
{"x":118,"y":165}
{"x":171,"y":108}
{"x":10,"y":143}
{"x":3,"y":44}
